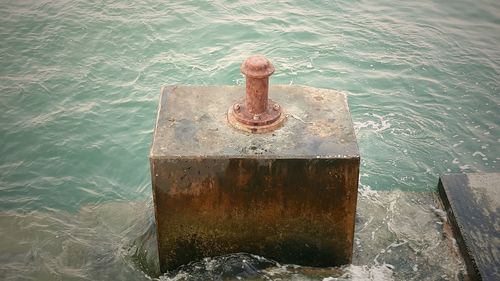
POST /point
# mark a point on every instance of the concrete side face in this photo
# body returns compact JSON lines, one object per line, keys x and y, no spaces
{"x":289,"y":195}
{"x":298,"y":211}
{"x":472,"y":202}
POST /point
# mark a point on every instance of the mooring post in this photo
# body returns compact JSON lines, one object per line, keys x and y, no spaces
{"x":252,"y":181}
{"x":257,"y":70}
{"x":256,"y":113}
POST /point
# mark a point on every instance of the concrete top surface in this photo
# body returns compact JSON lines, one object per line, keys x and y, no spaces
{"x":192,"y":123}
{"x":473,"y":205}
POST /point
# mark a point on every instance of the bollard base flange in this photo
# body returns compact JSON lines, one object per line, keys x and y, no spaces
{"x":268,"y":121}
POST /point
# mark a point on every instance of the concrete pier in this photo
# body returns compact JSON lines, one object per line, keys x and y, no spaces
{"x":472,"y":202}
{"x":289,"y":194}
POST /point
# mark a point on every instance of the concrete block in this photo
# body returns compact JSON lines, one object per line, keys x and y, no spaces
{"x":472,"y":202}
{"x":289,"y":195}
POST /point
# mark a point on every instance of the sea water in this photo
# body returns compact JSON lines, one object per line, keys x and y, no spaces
{"x":79,"y":83}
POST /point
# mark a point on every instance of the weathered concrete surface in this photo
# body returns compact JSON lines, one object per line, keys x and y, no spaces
{"x":289,"y":195}
{"x":472,"y":202}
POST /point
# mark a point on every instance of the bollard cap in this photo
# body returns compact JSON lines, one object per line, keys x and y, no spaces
{"x":257,"y":67}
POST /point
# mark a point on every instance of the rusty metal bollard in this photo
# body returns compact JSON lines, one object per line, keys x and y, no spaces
{"x":256,"y":113}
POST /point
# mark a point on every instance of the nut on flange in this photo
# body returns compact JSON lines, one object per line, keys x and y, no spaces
{"x":256,"y":113}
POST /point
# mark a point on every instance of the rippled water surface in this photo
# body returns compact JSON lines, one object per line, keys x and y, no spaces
{"x":79,"y":82}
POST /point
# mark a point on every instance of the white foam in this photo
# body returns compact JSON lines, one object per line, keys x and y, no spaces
{"x":379,"y":125}
{"x":478,"y":153}
{"x":465,"y":167}
{"x":371,"y":273}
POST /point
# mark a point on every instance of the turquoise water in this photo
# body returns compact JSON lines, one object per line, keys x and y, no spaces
{"x":79,"y":82}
